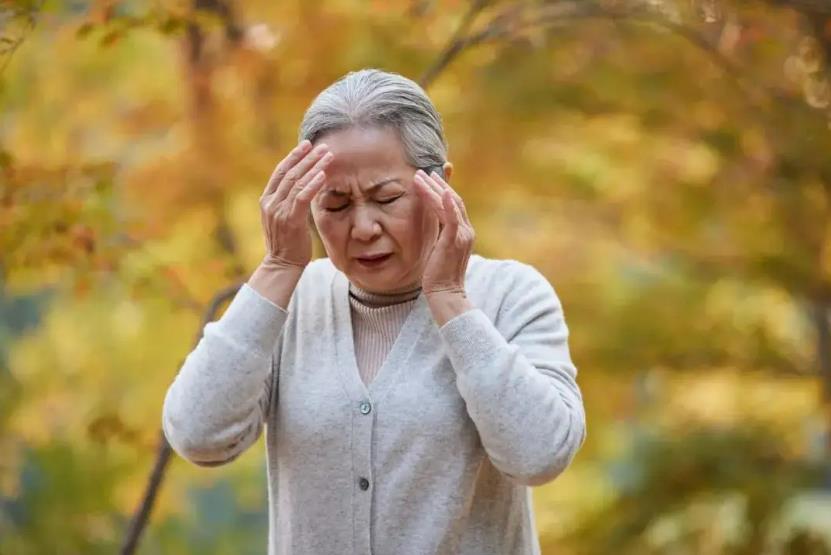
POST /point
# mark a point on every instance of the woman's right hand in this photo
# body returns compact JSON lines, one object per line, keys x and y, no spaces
{"x":284,"y":204}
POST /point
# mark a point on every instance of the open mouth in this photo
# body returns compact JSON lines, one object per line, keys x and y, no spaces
{"x":374,"y":261}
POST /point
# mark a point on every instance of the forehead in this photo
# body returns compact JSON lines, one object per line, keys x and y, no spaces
{"x":363,"y":153}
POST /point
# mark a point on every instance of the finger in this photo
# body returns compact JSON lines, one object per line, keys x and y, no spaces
{"x":433,"y":199}
{"x":451,"y":210}
{"x":427,"y":190}
{"x":432,"y":184}
{"x":285,"y":165}
{"x":437,"y":192}
{"x":451,"y":201}
{"x":427,"y":193}
{"x":460,"y":208}
{"x":305,"y":196}
{"x":458,"y":198}
{"x":311,"y":174}
{"x":300,"y":169}
{"x":440,"y":190}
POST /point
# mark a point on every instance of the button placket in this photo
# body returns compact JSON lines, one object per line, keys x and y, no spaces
{"x":363,"y":424}
{"x":365,"y":407}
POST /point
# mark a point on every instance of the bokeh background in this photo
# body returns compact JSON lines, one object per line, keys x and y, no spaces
{"x":665,"y":163}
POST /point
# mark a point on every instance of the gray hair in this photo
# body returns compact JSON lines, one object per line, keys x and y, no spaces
{"x":371,"y":97}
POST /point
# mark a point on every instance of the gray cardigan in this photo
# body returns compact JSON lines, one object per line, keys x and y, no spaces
{"x":435,"y":456}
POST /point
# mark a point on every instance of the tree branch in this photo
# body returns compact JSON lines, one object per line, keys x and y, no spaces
{"x":164,"y":451}
{"x":454,"y":46}
{"x":512,"y":21}
{"x":27,"y":12}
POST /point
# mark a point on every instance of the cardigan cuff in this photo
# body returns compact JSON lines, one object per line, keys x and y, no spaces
{"x":253,"y":320}
{"x":472,"y":339}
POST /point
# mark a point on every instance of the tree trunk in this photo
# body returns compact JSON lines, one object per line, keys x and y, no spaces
{"x":822,"y":313}
{"x":164,"y":451}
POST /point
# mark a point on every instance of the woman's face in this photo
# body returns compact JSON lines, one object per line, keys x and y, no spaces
{"x":369,"y":207}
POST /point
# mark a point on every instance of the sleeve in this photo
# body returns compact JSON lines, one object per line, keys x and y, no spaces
{"x":519,"y":383}
{"x":216,"y":406}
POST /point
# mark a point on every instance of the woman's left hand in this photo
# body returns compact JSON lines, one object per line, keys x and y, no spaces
{"x":447,"y":263}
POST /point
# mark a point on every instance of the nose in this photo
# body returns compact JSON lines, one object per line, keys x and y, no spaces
{"x":365,"y":225}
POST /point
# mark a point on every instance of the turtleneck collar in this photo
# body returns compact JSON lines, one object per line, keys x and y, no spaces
{"x":381,"y":299}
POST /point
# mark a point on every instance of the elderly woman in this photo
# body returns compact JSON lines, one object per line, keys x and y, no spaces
{"x":411,"y":391}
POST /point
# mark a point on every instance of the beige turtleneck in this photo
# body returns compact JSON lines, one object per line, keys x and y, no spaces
{"x":376,"y":321}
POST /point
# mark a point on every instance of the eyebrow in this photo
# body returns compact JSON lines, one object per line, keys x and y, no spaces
{"x":369,"y":190}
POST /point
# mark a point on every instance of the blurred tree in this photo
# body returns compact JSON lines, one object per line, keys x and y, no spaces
{"x":748,"y":480}
{"x":664,"y":162}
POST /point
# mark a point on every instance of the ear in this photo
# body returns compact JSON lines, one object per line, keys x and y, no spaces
{"x":448,"y":171}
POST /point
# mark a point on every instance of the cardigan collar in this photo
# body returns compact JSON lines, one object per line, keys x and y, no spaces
{"x":369,"y":299}
{"x":417,"y":325}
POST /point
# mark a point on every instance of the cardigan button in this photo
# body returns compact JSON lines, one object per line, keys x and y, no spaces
{"x":364,"y":484}
{"x":365,"y":407}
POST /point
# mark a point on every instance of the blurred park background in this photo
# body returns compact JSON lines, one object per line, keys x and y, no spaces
{"x":666,"y":163}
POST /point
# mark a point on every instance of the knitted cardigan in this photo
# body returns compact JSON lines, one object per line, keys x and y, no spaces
{"x":436,"y":455}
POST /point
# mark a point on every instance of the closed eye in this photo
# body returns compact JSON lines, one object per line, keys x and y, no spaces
{"x":389,"y":200}
{"x":379,"y":201}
